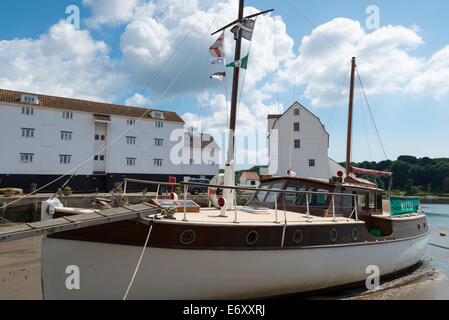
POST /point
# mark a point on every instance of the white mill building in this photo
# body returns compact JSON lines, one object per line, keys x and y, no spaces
{"x":298,"y":141}
{"x":43,"y":137}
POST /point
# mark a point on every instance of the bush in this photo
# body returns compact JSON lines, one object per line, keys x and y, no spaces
{"x":67,"y":189}
{"x":9,"y":190}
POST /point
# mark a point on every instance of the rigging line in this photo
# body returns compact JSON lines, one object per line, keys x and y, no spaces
{"x":371,"y":114}
{"x":138,"y":263}
{"x":173,"y":52}
{"x":109,"y":144}
{"x":340,"y":93}
{"x":213,"y":24}
{"x":315,"y":27}
{"x":366,"y":127}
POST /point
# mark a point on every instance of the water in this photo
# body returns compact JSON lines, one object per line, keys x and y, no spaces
{"x":429,"y":280}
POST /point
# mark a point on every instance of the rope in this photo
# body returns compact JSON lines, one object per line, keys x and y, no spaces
{"x":371,"y":114}
{"x":438,"y":246}
{"x":138,"y":263}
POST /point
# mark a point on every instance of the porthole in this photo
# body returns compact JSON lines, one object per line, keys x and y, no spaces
{"x":355,"y":234}
{"x":419,"y":226}
{"x":333,"y":235}
{"x":424,"y":224}
{"x":252,"y":237}
{"x":297,"y":236}
{"x":187,"y":237}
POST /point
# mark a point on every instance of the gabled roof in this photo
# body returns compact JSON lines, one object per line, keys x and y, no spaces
{"x":70,"y":104}
{"x":251,"y":176}
{"x":296,"y":104}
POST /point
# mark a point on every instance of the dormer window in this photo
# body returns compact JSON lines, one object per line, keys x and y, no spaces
{"x":26,"y":98}
{"x":157,"y":114}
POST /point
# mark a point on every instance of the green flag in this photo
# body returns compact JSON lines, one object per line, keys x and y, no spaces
{"x":242,"y":63}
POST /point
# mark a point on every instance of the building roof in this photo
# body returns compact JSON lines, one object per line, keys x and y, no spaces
{"x":274,"y":116}
{"x":98,"y":108}
{"x":251,"y":176}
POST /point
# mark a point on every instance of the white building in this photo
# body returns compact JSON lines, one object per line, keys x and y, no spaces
{"x":298,"y":141}
{"x":249,"y":179}
{"x":43,"y":137}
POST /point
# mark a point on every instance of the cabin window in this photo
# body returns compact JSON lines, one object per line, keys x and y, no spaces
{"x":361,"y":202}
{"x":344,"y":204}
{"x":379,"y":201}
{"x":272,"y":195}
{"x":318,"y":200}
{"x":293,"y":198}
{"x":372,"y":204}
{"x":260,"y":195}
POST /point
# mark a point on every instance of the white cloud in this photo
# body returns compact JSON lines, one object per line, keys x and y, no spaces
{"x":138,"y":100}
{"x":63,"y":62}
{"x":383,"y":60}
{"x":434,"y":79}
{"x":112,"y":12}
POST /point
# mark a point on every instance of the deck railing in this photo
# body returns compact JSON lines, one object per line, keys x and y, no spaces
{"x":185,"y":185}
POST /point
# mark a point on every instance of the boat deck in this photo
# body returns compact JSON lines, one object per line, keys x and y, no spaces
{"x":211,"y":216}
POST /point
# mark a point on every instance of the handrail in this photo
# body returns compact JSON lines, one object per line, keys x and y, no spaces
{"x":266,"y":190}
{"x":151,"y":182}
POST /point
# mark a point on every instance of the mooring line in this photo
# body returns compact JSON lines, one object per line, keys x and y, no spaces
{"x":138,"y":264}
{"x":439,"y":246}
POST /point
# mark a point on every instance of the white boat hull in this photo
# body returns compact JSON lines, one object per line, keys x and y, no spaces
{"x":106,"y":269}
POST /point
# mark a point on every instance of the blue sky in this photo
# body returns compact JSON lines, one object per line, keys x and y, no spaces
{"x":123,"y":44}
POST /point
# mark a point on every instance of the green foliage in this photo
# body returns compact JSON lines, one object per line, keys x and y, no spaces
{"x":67,"y":189}
{"x":9,"y":190}
{"x":411,"y":174}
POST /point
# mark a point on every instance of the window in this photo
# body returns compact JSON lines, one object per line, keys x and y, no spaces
{"x":157,"y":114}
{"x":27,"y":133}
{"x":27,"y":111}
{"x":97,"y":137}
{"x":67,"y":115}
{"x":131,"y":122}
{"x":296,"y":126}
{"x":100,"y":137}
{"x":101,"y":158}
{"x":65,"y":159}
{"x":158,"y":162}
{"x":158,"y":142}
{"x":29,"y":99}
{"x":66,"y":135}
{"x":26,"y":157}
{"x":131,"y":162}
{"x":131,"y":140}
{"x":96,"y":158}
{"x":312,"y":163}
{"x":297,"y":144}
{"x":159,"y":124}
{"x":296,"y":112}
{"x":272,"y":196}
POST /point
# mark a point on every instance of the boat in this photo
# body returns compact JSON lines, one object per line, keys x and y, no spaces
{"x":296,"y":235}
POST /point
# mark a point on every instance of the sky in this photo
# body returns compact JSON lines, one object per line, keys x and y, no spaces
{"x":155,"y":54}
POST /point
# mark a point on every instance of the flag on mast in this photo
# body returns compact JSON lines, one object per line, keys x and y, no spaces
{"x":242,"y":63}
{"x":219,"y":76}
{"x":216,"y":50}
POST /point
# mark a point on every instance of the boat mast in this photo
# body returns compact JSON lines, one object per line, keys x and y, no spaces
{"x":351,"y":100}
{"x":229,"y":178}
